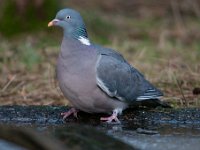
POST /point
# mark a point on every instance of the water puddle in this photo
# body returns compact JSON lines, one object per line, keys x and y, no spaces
{"x":145,"y":130}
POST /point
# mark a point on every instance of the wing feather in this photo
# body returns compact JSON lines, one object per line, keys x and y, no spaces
{"x":120,"y":80}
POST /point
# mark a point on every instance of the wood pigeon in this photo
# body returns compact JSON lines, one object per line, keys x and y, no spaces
{"x":93,"y":78}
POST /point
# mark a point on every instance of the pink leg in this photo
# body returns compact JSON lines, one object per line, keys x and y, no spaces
{"x":69,"y":112}
{"x":112,"y":117}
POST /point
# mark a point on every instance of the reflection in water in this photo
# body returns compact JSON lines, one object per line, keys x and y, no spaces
{"x":173,"y":129}
{"x":150,"y":136}
{"x":145,"y":136}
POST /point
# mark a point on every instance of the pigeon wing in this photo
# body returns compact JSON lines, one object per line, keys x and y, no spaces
{"x":120,"y":80}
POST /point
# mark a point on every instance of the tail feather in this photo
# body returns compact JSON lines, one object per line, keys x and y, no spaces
{"x":151,"y":93}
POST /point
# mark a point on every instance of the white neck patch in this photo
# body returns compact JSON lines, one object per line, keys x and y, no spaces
{"x":84,"y":40}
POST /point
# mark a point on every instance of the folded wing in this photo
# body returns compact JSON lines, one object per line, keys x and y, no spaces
{"x":120,"y":80}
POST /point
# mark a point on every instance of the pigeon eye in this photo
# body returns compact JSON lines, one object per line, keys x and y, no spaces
{"x":68,"y":17}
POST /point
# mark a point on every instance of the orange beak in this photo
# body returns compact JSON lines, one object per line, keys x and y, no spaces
{"x":50,"y":24}
{"x":53,"y":22}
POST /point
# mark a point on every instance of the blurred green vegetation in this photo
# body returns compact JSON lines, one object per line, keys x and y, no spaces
{"x":100,"y":29}
{"x":14,"y":21}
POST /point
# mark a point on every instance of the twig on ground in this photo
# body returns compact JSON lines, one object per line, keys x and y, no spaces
{"x":8,"y":83}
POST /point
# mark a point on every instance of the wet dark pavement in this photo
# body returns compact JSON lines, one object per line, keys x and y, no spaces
{"x":141,"y":128}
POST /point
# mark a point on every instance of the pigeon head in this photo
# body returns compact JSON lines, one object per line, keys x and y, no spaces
{"x":71,"y":22}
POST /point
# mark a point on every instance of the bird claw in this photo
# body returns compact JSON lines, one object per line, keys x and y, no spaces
{"x":69,"y":113}
{"x":113,"y":117}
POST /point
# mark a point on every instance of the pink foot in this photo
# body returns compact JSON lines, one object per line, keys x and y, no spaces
{"x":112,"y":117}
{"x":69,"y":112}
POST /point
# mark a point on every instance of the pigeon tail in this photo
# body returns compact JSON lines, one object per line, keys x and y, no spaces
{"x":151,"y":93}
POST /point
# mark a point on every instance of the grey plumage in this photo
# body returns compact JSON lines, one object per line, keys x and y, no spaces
{"x":93,"y":78}
{"x":119,"y":79}
{"x":77,"y":78}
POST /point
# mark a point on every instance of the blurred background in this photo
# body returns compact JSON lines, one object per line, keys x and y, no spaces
{"x":159,"y":38}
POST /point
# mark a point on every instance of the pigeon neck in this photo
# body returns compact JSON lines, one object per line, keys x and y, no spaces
{"x":79,"y":34}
